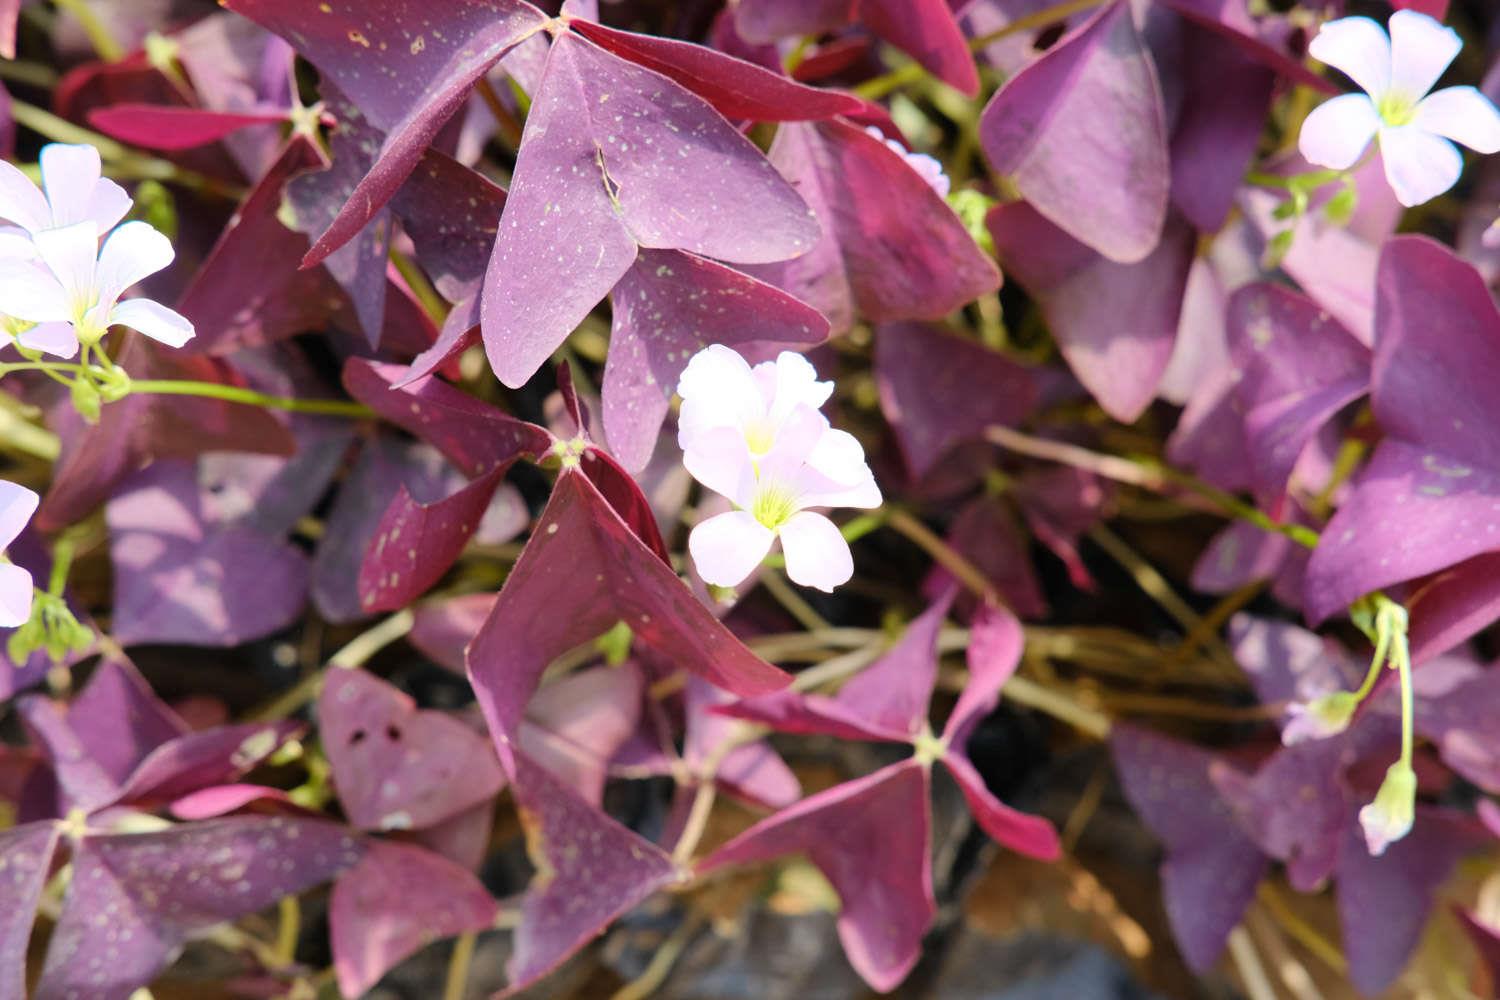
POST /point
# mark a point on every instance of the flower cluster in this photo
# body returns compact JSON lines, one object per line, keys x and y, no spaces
{"x":60,"y":287}
{"x":756,"y":435}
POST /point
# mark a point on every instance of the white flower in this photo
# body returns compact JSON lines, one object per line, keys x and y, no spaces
{"x":929,"y":167}
{"x":73,"y":190}
{"x":756,"y":436}
{"x":17,"y":504}
{"x":1389,"y":817}
{"x":72,"y":290}
{"x":1413,"y":127}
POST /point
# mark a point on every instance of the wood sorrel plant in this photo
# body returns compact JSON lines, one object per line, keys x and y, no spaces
{"x":601,"y":437}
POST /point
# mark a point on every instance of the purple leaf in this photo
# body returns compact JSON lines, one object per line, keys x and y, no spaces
{"x":590,"y":870}
{"x":155,"y":890}
{"x":667,"y":307}
{"x":180,"y":577}
{"x":443,"y":628}
{"x":878,"y":823}
{"x":574,"y":725}
{"x":994,"y":652}
{"x":1453,"y":605}
{"x":890,"y":247}
{"x":155,"y":126}
{"x":1211,"y":868}
{"x":938,"y":389}
{"x":1230,"y":19}
{"x":398,"y":767}
{"x":452,"y":214}
{"x":753,"y":772}
{"x":119,"y":720}
{"x":198,"y":760}
{"x":766,"y":21}
{"x":416,"y":543}
{"x":1290,"y":664}
{"x":1021,"y":832}
{"x":1115,"y":323}
{"x":407,"y":67}
{"x":82,"y":782}
{"x":985,"y":532}
{"x":1460,"y":722}
{"x":1430,"y":496}
{"x":397,"y":900}
{"x":637,"y":160}
{"x":25,"y":859}
{"x":737,"y":89}
{"x":928,"y":31}
{"x":582,"y":572}
{"x":1082,"y":134}
{"x":221,"y":800}
{"x":1384,"y":901}
{"x":892,"y":693}
{"x":1297,"y":368}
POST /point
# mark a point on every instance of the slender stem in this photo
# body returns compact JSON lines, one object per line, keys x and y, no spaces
{"x":697,"y":821}
{"x":792,"y":601}
{"x":509,"y":126}
{"x":32,"y":74}
{"x":356,"y":653}
{"x":944,"y":555}
{"x":62,"y":562}
{"x":97,"y":31}
{"x":656,"y":971}
{"x":457,"y":982}
{"x":288,"y":929}
{"x":1301,"y":931}
{"x":27,"y":437}
{"x":236,"y":394}
{"x":1024,"y":691}
{"x":1402,"y":655}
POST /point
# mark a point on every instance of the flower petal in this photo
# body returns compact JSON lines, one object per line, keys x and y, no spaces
{"x":1338,"y":132}
{"x":154,"y":320}
{"x":20,"y":200}
{"x":1359,"y":48}
{"x":796,"y":383}
{"x":816,"y":554}
{"x":863,"y":495}
{"x":70,"y":254}
{"x":1462,"y":114}
{"x":69,"y":173}
{"x":57,"y":338}
{"x":108,"y":204}
{"x":132,"y":252}
{"x":15,"y":243}
{"x":1419,"y":165}
{"x":1421,"y":48}
{"x":30,"y":291}
{"x":719,"y":459}
{"x":718,"y":390}
{"x":17,"y":504}
{"x":726,"y":548}
{"x":15,"y":596}
{"x":839,"y":456}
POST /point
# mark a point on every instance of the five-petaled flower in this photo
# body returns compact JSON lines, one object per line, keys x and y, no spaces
{"x":1413,"y":127}
{"x":17,"y":504}
{"x":756,"y":436}
{"x":58,"y":287}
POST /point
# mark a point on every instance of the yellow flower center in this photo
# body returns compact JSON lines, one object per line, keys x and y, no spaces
{"x":760,"y":436}
{"x":1396,"y":109}
{"x":773,"y":506}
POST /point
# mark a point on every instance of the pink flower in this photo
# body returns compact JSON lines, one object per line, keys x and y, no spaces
{"x":1412,"y":126}
{"x":73,"y":190}
{"x":17,"y":504}
{"x":756,"y":436}
{"x":72,"y":290}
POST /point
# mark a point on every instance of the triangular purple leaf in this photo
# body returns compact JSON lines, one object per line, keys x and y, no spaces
{"x":197,"y":760}
{"x":25,"y":859}
{"x":119,"y":719}
{"x":574,"y":725}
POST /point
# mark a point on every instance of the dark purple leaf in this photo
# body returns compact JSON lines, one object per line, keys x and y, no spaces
{"x":1115,"y":323}
{"x":736,"y":89}
{"x":397,"y":900}
{"x":407,"y":67}
{"x":1460,"y":722}
{"x":197,"y":760}
{"x":669,"y":306}
{"x":574,"y":725}
{"x":156,"y":890}
{"x":153,"y":126}
{"x":928,"y":31}
{"x":398,"y":767}
{"x":82,"y":782}
{"x":1453,"y":605}
{"x":878,"y":823}
{"x":452,"y":214}
{"x":582,"y":572}
{"x":985,"y":532}
{"x":937,"y":389}
{"x":1297,"y":368}
{"x":180,"y":577}
{"x":890,"y":247}
{"x":766,"y":21}
{"x":443,"y":628}
{"x":590,"y":870}
{"x":1231,"y":19}
{"x":1290,"y":664}
{"x":636,"y":160}
{"x":1430,"y":496}
{"x":1082,"y":134}
{"x":119,"y":720}
{"x":892,"y":693}
{"x":25,"y":859}
{"x":1211,"y":868}
{"x":752,"y":772}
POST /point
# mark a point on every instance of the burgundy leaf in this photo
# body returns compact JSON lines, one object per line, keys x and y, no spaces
{"x":1211,"y":868}
{"x":415,"y":542}
{"x":158,"y":889}
{"x":667,"y":307}
{"x":119,"y":720}
{"x":878,"y":823}
{"x":1115,"y":323}
{"x":197,"y":760}
{"x":937,"y":389}
{"x":1297,"y":368}
{"x":25,"y":859}
{"x":82,"y":782}
{"x":452,"y":214}
{"x":636,"y":160}
{"x":766,"y":21}
{"x":985,"y":532}
{"x":1021,"y":832}
{"x":154,"y":126}
{"x":993,"y":653}
{"x":582,"y":572}
{"x":443,"y":628}
{"x":890,"y":247}
{"x":407,"y":67}
{"x":221,"y":800}
{"x":1082,"y":134}
{"x":1231,"y":19}
{"x":398,"y":767}
{"x":590,"y":870}
{"x":1430,"y":496}
{"x":574,"y":725}
{"x":1453,"y":605}
{"x":735,"y":88}
{"x":397,"y":900}
{"x":892,"y":693}
{"x":752,"y":772}
{"x":625,"y":497}
{"x":182,"y":578}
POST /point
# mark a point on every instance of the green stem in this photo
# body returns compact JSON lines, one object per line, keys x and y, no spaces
{"x":1401,"y":654}
{"x":236,"y":394}
{"x":97,"y":31}
{"x":456,"y":983}
{"x":24,"y":436}
{"x":62,"y":562}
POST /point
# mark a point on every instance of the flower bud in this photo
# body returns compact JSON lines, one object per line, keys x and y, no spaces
{"x":1389,"y":817}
